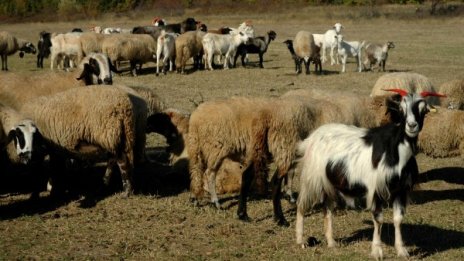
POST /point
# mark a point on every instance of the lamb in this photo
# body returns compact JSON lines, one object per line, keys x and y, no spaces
{"x":103,"y":122}
{"x":454,"y":91}
{"x":9,"y":45}
{"x":305,"y":49}
{"x":411,"y":82}
{"x":330,"y":41}
{"x":349,"y":49}
{"x":342,"y":162}
{"x":44,"y":44}
{"x":443,"y":134}
{"x":223,"y":45}
{"x":135,"y":48}
{"x":257,"y":45}
{"x":377,"y":54}
{"x":189,"y":45}
{"x":166,"y":46}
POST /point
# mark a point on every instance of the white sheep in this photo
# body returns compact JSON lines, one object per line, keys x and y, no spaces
{"x":454,"y":91}
{"x":9,"y":45}
{"x":349,"y":49}
{"x":330,"y":42}
{"x":411,"y":82}
{"x":103,"y":123}
{"x":189,"y":45}
{"x":166,"y":46}
{"x":222,"y":44}
{"x":376,"y":166}
{"x":65,"y":47}
{"x":377,"y":54}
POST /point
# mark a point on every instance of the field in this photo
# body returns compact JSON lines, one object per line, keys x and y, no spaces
{"x":160,"y":223}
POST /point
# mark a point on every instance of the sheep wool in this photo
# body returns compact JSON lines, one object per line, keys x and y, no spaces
{"x":454,"y":91}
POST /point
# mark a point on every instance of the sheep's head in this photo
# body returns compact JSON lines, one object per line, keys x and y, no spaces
{"x":27,"y":48}
{"x":390,"y":45}
{"x":272,"y":35}
{"x":26,"y":138}
{"x":97,"y":70}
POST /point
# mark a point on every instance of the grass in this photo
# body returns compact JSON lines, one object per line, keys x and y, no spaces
{"x":159,"y":222}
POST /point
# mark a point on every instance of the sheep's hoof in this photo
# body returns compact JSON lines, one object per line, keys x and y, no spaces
{"x":312,"y":241}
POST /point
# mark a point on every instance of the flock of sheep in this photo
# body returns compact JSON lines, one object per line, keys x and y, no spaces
{"x":342,"y":146}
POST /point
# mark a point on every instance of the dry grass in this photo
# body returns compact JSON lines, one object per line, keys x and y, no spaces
{"x":160,"y":223}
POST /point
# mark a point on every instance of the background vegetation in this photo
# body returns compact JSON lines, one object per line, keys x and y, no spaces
{"x":51,"y":10}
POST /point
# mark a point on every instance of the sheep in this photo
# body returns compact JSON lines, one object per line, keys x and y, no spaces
{"x":454,"y":91}
{"x":349,"y":49}
{"x":297,"y":60}
{"x":166,"y":46}
{"x":43,"y":46}
{"x":342,"y":162}
{"x":330,"y":41}
{"x":188,"y":45}
{"x":305,"y":49}
{"x":65,"y":46}
{"x":188,"y":24}
{"x":377,"y":54}
{"x":443,"y":134}
{"x":222,"y":45}
{"x":9,"y":45}
{"x":411,"y":82}
{"x":103,"y":122}
{"x":135,"y":48}
{"x":257,"y":45}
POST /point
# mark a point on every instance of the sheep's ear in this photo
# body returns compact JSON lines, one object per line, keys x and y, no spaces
{"x":86,"y":74}
{"x":21,"y":54}
{"x":11,"y":135}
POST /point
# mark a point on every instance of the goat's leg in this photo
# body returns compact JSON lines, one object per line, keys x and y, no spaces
{"x":276,"y":195}
{"x":288,"y":185}
{"x":261,"y":60}
{"x":5,"y":60}
{"x":332,"y":59}
{"x":343,"y":64}
{"x":398,"y":212}
{"x":247,"y":178}
{"x":324,"y":58}
{"x":300,"y":211}
{"x":377,"y":215}
{"x":328,"y":225}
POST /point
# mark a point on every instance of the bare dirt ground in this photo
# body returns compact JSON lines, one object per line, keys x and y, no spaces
{"x":160,"y":223}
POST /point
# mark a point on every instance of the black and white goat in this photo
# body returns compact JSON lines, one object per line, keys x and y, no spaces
{"x":257,"y":45}
{"x":43,"y":47}
{"x":375,"y":165}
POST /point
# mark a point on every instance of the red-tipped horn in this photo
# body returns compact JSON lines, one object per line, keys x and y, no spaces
{"x":399,"y":91}
{"x":426,"y":94}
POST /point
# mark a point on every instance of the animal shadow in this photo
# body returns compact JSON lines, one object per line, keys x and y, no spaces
{"x":453,"y":175}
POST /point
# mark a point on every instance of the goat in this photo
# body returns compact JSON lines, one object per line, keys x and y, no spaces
{"x":377,"y":165}
{"x":257,"y":45}
{"x":43,"y":48}
{"x":349,"y":49}
{"x":377,"y":54}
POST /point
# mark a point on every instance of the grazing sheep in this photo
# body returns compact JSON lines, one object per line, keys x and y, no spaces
{"x":305,"y":49}
{"x":376,"y":166}
{"x":9,"y":45}
{"x":330,"y":41}
{"x":189,"y":45}
{"x":103,"y":122}
{"x":43,"y":46}
{"x":349,"y":49}
{"x":166,"y":46}
{"x":377,"y":54}
{"x":257,"y":45}
{"x":411,"y":82}
{"x":139,"y":48}
{"x":443,"y":134}
{"x":454,"y":91}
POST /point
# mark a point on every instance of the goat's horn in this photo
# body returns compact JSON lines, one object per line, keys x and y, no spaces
{"x":399,"y":91}
{"x":426,"y":94}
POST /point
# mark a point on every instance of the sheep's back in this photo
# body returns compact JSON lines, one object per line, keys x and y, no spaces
{"x":304,"y":44}
{"x":8,"y":43}
{"x":454,"y":91}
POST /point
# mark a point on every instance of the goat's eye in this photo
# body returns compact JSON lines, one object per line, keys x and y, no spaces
{"x":241,"y":33}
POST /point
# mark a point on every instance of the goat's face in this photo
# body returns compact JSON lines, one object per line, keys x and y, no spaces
{"x":390,"y":45}
{"x":25,"y":136}
{"x":272,"y":35}
{"x":413,"y":108}
{"x":338,"y":27}
{"x":27,"y":48}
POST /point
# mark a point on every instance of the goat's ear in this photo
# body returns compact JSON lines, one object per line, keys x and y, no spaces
{"x":394,"y":108}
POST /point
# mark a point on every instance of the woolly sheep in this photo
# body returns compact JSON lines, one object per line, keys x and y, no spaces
{"x":103,"y":122}
{"x":377,"y":54}
{"x":411,"y":82}
{"x":188,"y":45}
{"x":9,"y":45}
{"x":305,"y":48}
{"x":443,"y":134}
{"x":454,"y":91}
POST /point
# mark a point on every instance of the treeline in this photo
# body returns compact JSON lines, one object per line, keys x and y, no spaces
{"x":69,"y":9}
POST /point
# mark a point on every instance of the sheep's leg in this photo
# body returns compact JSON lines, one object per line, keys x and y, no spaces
{"x":133,"y":68}
{"x":247,"y":178}
{"x":398,"y":212}
{"x":235,"y":59}
{"x":383,"y":65}
{"x":261,"y":60}
{"x":5,"y":60}
{"x":307,"y":63}
{"x":288,"y":181}
{"x":211,"y":175}
{"x":377,"y":215}
{"x":108,"y":172}
{"x":328,"y":225}
{"x":276,"y":195}
{"x":126,"y":174}
{"x":3,"y":68}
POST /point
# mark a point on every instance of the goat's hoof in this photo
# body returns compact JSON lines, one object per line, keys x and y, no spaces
{"x":377,"y":252}
{"x":157,"y":74}
{"x":312,"y":241}
{"x":281,"y":222}
{"x":402,"y":252}
{"x":244,"y":217}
